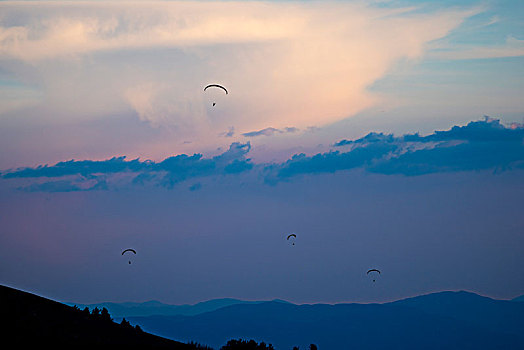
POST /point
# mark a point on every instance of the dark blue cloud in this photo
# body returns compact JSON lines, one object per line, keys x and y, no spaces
{"x":487,"y":130}
{"x":328,"y":162}
{"x":52,"y":186}
{"x":82,"y":167}
{"x":182,"y":167}
{"x":372,"y":137}
{"x":195,"y":187}
{"x":168,"y":172}
{"x":495,"y":155}
{"x":479,"y":145}
{"x":66,"y":185}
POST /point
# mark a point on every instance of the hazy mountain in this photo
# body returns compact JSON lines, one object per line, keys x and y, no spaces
{"x":30,"y":321}
{"x":149,"y":308}
{"x":448,"y":320}
{"x":519,"y":298}
{"x":499,"y":315}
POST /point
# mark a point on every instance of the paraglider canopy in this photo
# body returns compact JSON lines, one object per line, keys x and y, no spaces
{"x":128,"y":250}
{"x":292,"y":235}
{"x":217,"y":86}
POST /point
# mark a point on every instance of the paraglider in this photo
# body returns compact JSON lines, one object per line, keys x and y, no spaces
{"x":216,"y":86}
{"x":292,"y":235}
{"x":129,"y":250}
{"x":373,"y":270}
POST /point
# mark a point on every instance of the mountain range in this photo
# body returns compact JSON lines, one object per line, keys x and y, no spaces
{"x":443,"y":320}
{"x":153,"y":307}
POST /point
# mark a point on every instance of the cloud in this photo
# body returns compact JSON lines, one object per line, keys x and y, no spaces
{"x":229,"y":133}
{"x":372,"y":137}
{"x":479,"y":145}
{"x":489,"y":129}
{"x":82,"y":167}
{"x":513,"y":47}
{"x":283,"y":63}
{"x":95,"y":175}
{"x":270,"y":132}
{"x":67,"y":185}
{"x":330,"y":162}
{"x":195,"y":187}
{"x":52,"y":186}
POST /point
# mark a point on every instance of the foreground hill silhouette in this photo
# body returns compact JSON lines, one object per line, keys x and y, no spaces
{"x":447,"y":320}
{"x":30,"y":320}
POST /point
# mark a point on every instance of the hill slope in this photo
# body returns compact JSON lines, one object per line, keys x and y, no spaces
{"x":416,"y":325}
{"x":30,"y":320}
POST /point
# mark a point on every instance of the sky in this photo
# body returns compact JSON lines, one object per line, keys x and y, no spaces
{"x":384,"y":134}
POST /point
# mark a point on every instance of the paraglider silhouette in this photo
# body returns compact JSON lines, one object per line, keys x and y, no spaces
{"x":373,"y":270}
{"x":216,"y":86}
{"x":292,"y":235}
{"x":129,"y":250}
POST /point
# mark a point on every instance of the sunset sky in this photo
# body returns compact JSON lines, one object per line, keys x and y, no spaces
{"x":383,"y":133}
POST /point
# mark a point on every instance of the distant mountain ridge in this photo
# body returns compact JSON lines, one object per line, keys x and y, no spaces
{"x":499,"y":315}
{"x":153,"y":307}
{"x":519,"y":298}
{"x":446,"y":320}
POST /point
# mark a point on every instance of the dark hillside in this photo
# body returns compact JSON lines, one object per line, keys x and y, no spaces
{"x":32,"y":320}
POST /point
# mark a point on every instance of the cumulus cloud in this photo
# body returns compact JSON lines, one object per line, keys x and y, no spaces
{"x":479,"y":145}
{"x":284,"y":63}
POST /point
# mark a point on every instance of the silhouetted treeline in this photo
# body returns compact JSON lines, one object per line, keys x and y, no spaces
{"x":241,"y":344}
{"x":198,"y":346}
{"x":104,"y":316}
{"x":96,"y":313}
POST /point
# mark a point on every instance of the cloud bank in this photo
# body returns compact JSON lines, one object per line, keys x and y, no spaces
{"x":479,"y":145}
{"x":285,"y":63}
